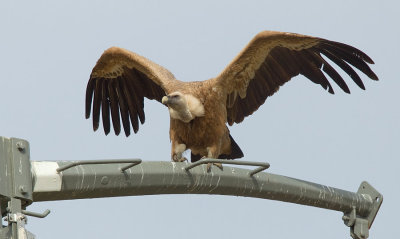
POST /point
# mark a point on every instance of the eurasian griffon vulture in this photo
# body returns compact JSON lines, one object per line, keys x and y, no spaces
{"x":200,"y":110}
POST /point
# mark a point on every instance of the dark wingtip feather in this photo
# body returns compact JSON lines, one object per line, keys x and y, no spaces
{"x":135,"y":130}
{"x":353,"y":50}
{"x":106,"y":130}
{"x":131,"y":105}
{"x":335,"y":76}
{"x":123,"y":109}
{"x":142,"y":116}
{"x":374,"y":76}
{"x":114,"y":108}
{"x":117,"y":128}
{"x":352,"y":56}
{"x":89,"y":96}
{"x":95,"y":125}
{"x":105,"y":108}
{"x":344,"y":66}
{"x":106,"y":124}
{"x":97,"y":103}
{"x":330,"y":90}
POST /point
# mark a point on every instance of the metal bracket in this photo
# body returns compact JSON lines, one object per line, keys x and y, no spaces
{"x":133,"y":162}
{"x":12,"y":217}
{"x":262,"y":166}
{"x":18,"y":231}
{"x":359,"y":225}
{"x":35,"y":214}
{"x":15,"y":217}
{"x":14,"y":161}
{"x":377,"y":199}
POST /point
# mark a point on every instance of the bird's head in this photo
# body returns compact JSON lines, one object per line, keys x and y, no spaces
{"x":175,"y":100}
{"x":184,"y":107}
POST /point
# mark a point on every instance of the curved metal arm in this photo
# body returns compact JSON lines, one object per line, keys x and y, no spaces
{"x":262,"y":166}
{"x":151,"y":178}
{"x":132,"y":162}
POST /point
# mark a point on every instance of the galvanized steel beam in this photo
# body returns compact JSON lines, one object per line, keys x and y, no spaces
{"x":150,"y":178}
{"x":65,"y":180}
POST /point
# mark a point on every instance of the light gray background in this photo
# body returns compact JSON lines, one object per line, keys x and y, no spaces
{"x":47,"y":52}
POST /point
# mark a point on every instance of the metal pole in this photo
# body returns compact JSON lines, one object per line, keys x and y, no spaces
{"x":15,"y":186}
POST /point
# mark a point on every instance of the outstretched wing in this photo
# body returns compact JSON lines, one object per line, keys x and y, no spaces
{"x":118,"y":84}
{"x":272,"y":58}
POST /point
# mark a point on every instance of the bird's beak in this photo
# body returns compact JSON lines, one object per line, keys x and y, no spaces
{"x":164,"y":100}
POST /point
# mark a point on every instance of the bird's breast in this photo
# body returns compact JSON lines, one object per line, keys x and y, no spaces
{"x":200,"y":132}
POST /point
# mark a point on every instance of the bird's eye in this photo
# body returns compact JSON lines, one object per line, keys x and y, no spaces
{"x":175,"y":96}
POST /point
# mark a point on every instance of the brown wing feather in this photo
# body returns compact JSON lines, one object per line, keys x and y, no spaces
{"x":273,"y":58}
{"x":118,"y":84}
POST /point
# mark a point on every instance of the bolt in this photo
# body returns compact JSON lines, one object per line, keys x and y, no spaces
{"x":20,"y":146}
{"x":104,"y":180}
{"x":22,"y":189}
{"x":347,"y":221}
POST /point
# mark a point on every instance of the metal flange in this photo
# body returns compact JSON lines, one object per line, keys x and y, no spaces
{"x":360,"y":224}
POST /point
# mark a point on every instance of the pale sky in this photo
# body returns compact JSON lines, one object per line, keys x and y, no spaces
{"x":48,"y":49}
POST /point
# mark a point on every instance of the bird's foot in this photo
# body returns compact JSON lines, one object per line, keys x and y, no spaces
{"x":179,"y":159}
{"x":183,"y":159}
{"x":219,"y":165}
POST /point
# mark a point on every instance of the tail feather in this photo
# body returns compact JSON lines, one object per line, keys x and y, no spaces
{"x":236,"y":152}
{"x":194,"y":157}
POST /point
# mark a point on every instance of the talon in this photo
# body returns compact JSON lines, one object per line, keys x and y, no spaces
{"x":219,"y":165}
{"x":176,"y":158}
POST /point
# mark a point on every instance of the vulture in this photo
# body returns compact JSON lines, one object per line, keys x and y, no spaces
{"x":200,"y":110}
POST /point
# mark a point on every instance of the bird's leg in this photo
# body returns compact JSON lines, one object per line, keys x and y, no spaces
{"x":212,"y":153}
{"x":178,"y":150}
{"x":219,"y":165}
